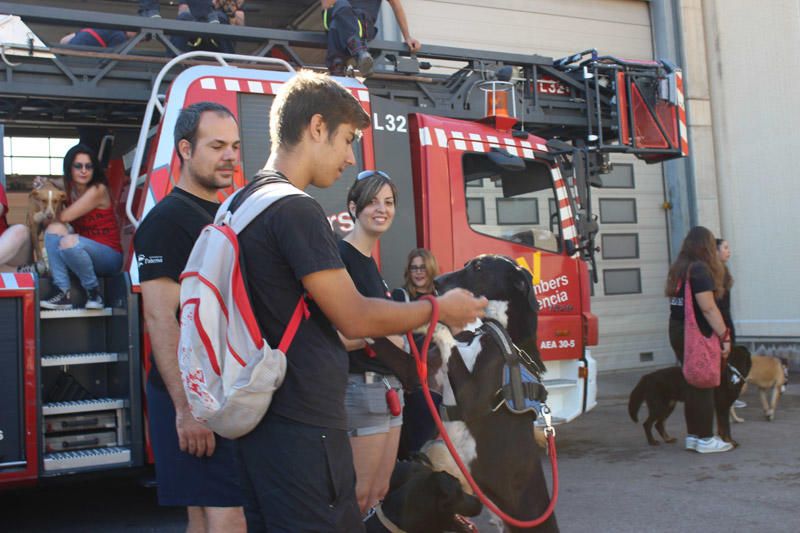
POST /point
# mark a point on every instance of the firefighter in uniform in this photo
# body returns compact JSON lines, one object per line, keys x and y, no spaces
{"x":350,"y":25}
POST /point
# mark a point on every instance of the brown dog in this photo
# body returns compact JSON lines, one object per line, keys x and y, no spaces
{"x":769,"y":374}
{"x":45,"y":202}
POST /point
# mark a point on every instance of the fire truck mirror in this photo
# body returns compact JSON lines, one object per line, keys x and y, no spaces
{"x":505,"y":161}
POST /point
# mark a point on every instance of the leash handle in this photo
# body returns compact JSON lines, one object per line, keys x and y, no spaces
{"x":422,"y":370}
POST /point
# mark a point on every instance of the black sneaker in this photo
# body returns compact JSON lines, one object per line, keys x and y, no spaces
{"x":31,"y":268}
{"x":365,"y":63}
{"x":60,"y":300}
{"x":93,"y":299}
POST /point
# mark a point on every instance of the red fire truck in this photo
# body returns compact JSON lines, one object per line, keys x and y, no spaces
{"x":497,"y":157}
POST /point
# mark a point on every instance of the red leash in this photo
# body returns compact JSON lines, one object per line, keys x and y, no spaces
{"x":422,"y":370}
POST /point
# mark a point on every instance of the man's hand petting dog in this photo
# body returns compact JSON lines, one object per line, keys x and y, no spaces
{"x":459,"y":307}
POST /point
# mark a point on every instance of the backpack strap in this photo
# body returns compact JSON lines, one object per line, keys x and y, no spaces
{"x":205,"y":214}
{"x":265,"y":190}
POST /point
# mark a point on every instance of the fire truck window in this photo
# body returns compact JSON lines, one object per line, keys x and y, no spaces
{"x":254,"y":131}
{"x":513,"y":206}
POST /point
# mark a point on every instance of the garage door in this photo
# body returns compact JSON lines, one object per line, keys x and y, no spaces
{"x":633,"y":263}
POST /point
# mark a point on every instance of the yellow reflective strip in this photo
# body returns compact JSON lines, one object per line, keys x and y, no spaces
{"x":325,"y":19}
{"x":360,"y":29}
{"x":536,"y":271}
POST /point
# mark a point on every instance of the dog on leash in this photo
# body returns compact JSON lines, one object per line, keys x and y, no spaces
{"x":421,"y":500}
{"x":663,"y":389}
{"x":45,"y":203}
{"x":770,"y":375}
{"x":495,"y":443}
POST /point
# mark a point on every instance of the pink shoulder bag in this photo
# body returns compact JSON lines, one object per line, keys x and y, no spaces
{"x":702,"y":356}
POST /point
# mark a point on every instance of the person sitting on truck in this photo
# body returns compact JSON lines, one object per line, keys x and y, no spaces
{"x":213,"y":12}
{"x":374,"y":430}
{"x":418,"y":425}
{"x":15,"y":240}
{"x":194,"y":467}
{"x":97,"y":37}
{"x":92,"y":245}
{"x":297,"y":464}
{"x":350,"y":25}
{"x":202,"y":9}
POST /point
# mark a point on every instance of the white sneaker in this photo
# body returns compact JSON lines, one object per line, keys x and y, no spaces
{"x":691,"y":442}
{"x":739,"y":404}
{"x":713,"y":445}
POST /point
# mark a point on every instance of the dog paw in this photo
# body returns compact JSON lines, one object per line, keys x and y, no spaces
{"x":445,"y":341}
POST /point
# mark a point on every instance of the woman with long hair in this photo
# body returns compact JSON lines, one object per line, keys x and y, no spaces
{"x":724,"y":303}
{"x":418,"y":425}
{"x":421,"y":270}
{"x":374,"y":429}
{"x":699,"y":263}
{"x":92,"y":245}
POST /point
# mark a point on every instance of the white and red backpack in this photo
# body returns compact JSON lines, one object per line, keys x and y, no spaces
{"x":228,"y":369}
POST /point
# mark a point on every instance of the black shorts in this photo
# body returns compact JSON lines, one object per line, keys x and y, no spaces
{"x":297,"y":477}
{"x":183,"y":479}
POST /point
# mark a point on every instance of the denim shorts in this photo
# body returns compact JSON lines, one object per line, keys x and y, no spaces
{"x":367,"y":411}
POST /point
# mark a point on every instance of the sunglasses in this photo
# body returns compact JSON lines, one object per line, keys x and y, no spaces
{"x":364,"y":174}
{"x":81,"y":166}
{"x":415,"y":268}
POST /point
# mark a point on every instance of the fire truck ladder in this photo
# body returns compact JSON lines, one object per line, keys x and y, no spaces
{"x":604,"y":103}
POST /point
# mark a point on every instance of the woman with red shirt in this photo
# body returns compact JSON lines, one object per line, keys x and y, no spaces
{"x":92,"y":245}
{"x":15,"y":240}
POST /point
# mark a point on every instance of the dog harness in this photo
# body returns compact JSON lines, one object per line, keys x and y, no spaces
{"x":521,"y":389}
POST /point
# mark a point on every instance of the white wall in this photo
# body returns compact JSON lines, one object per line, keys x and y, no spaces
{"x":754,"y":74}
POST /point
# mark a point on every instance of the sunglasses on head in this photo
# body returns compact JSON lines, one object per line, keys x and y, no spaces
{"x":364,"y":174}
{"x":81,"y":166}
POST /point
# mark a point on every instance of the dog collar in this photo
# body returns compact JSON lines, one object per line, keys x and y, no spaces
{"x":384,"y":520}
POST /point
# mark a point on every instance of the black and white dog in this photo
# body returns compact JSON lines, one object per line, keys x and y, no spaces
{"x":469,"y":370}
{"x":495,"y":443}
{"x":421,"y":500}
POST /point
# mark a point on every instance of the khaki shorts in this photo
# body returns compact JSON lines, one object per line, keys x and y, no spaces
{"x":367,"y":412}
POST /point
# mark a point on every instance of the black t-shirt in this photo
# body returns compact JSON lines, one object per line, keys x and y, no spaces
{"x":369,"y":282}
{"x":290,"y":240}
{"x":702,"y":281}
{"x":165,"y":239}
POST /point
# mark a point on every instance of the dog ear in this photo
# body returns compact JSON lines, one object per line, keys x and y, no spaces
{"x":524,"y":284}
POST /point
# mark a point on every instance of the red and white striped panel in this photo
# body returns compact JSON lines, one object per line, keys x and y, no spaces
{"x":12,"y":281}
{"x":476,"y":142}
{"x":682,"y":114}
{"x":564,"y":209}
{"x":259,"y":87}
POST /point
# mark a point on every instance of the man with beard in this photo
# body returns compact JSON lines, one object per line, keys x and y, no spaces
{"x":194,"y":467}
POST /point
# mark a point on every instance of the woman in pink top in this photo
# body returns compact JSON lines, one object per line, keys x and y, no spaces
{"x":92,"y":245}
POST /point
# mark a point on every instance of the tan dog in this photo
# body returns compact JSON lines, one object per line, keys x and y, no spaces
{"x":45,"y":202}
{"x":769,"y":374}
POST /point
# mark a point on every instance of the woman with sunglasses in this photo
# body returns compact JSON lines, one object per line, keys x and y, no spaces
{"x":374,"y":430}
{"x":92,"y":245}
{"x":418,"y":425}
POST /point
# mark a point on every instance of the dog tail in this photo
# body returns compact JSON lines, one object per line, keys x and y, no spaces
{"x":635,"y":400}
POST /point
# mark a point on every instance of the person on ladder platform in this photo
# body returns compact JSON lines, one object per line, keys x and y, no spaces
{"x":350,"y":25}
